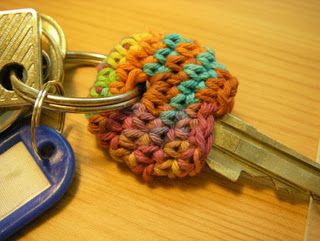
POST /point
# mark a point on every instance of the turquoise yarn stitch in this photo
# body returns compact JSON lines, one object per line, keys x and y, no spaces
{"x":171,"y":40}
{"x":208,"y":61}
{"x":181,"y":101}
{"x":170,"y":117}
{"x":154,"y":68}
{"x":198,"y":72}
{"x":190,"y":86}
{"x":162,"y":54}
{"x":214,"y":64}
{"x":187,"y":95}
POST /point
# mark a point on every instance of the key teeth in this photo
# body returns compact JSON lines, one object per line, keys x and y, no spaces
{"x":315,"y":197}
{"x":227,"y":166}
{"x":221,"y":163}
{"x":231,"y":174}
{"x":282,"y":187}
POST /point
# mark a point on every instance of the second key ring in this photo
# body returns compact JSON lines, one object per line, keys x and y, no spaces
{"x":37,"y":108}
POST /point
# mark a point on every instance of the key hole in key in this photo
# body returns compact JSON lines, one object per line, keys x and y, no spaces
{"x":18,"y":69}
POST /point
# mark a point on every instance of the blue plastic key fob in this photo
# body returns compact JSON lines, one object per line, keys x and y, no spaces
{"x":29,"y":186}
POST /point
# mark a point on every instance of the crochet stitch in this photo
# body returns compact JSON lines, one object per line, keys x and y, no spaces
{"x":169,"y":132}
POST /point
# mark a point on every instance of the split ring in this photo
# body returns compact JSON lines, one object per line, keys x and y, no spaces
{"x":37,"y":108}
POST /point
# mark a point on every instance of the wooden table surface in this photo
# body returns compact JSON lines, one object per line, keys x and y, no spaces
{"x":273,"y":47}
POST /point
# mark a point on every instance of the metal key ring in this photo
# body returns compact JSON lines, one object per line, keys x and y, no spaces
{"x":36,"y":113}
{"x":78,"y":104}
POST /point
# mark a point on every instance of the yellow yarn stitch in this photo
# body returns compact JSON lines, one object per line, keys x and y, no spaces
{"x":119,"y":53}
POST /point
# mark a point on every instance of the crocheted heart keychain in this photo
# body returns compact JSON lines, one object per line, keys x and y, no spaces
{"x":169,"y":132}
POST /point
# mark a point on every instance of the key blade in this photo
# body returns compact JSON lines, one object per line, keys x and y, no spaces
{"x":229,"y":166}
{"x":312,"y":231}
{"x":240,"y":147}
{"x":19,"y":44}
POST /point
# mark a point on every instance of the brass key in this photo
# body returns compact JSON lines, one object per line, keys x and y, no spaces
{"x":25,"y":28}
{"x":240,"y":147}
{"x":20,"y":52}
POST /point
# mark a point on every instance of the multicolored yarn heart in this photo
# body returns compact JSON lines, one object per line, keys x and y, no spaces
{"x":169,"y":132}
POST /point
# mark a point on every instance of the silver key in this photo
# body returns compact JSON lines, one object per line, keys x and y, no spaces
{"x":239,"y":147}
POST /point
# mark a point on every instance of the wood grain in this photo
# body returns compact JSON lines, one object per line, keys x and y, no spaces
{"x":273,"y":47}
